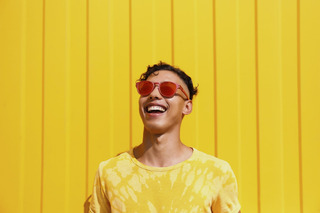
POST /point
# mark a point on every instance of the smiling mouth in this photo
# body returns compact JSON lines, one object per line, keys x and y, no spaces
{"x":155,"y":109}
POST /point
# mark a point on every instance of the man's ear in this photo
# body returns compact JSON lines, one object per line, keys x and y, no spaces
{"x":187,"y":107}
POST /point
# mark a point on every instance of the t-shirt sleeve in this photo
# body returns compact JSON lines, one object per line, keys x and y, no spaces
{"x":226,"y":200}
{"x":99,"y":200}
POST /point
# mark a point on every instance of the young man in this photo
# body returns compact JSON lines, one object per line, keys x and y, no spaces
{"x":162,"y":174}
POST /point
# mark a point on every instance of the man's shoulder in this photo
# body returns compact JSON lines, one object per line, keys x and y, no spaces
{"x":211,"y":161}
{"x":119,"y":160}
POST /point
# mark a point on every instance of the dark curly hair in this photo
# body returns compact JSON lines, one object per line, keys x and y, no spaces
{"x":164,"y":66}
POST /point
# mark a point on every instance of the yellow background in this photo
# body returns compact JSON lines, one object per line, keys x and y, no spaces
{"x":68,"y":101}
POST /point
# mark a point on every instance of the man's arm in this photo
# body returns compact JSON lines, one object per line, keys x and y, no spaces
{"x":99,"y":201}
{"x":227,"y":197}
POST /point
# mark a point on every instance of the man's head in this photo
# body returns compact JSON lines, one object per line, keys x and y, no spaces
{"x":165,"y":98}
{"x":164,"y":66}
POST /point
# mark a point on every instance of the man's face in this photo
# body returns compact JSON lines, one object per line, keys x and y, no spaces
{"x":160,"y":114}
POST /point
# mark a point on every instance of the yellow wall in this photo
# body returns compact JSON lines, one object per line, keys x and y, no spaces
{"x":68,"y":101}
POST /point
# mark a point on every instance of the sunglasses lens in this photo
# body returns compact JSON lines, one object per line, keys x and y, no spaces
{"x":145,"y":87}
{"x":168,"y":89}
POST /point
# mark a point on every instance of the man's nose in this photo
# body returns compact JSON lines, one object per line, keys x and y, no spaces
{"x":155,"y":94}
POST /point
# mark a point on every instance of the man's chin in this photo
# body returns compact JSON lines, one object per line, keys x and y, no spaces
{"x":155,"y":129}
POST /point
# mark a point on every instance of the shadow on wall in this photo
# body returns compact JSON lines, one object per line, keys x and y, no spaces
{"x":86,"y":204}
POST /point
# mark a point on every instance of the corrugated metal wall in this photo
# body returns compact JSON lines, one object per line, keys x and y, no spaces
{"x":67,"y":96}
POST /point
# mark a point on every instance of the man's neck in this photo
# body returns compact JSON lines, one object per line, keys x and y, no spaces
{"x":162,"y":150}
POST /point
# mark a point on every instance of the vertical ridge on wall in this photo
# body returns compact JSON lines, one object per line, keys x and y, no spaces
{"x":289,"y":108}
{"x":123,"y":69}
{"x":22,"y":132}
{"x":257,"y":104}
{"x":238,"y":95}
{"x":299,"y":108}
{"x":161,"y":18}
{"x":196,"y":68}
{"x":98,"y":87}
{"x":246,"y":111}
{"x":110,"y":69}
{"x":119,"y":67}
{"x":215,"y":80}
{"x":227,"y":100}
{"x":310,"y":103}
{"x":55,"y":107}
{"x":76,"y":104}
{"x":270,"y":105}
{"x":22,"y":107}
{"x":130,"y":74}
{"x":11,"y":119}
{"x":87,"y":100}
{"x":67,"y":108}
{"x":203,"y":105}
{"x":172,"y":31}
{"x":43,"y":104}
{"x":32,"y":51}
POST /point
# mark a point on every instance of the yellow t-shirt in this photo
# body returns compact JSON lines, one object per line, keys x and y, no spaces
{"x":202,"y":183}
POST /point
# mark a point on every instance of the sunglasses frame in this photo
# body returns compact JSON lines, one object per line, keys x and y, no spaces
{"x":178,"y":86}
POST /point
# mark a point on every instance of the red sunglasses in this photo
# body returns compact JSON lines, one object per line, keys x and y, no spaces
{"x":166,"y":88}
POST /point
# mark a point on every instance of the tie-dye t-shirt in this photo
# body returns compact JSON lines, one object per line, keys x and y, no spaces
{"x":202,"y":183}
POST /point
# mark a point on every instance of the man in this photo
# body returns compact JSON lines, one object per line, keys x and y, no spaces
{"x":162,"y":174}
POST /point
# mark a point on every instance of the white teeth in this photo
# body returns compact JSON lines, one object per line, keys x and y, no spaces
{"x":158,"y":108}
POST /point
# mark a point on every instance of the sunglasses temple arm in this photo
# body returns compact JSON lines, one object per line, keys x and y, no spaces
{"x":180,"y":87}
